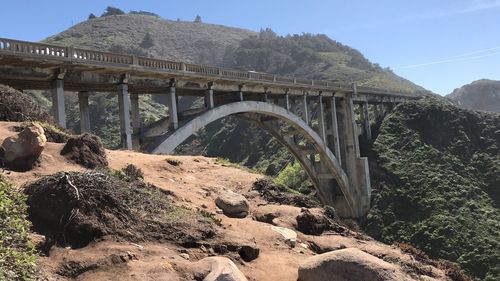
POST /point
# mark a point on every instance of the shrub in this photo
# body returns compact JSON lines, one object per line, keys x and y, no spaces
{"x":112,"y":11}
{"x":174,"y":162}
{"x":17,"y":258}
{"x":16,"y":106}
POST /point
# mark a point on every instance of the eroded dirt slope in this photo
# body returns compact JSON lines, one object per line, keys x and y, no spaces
{"x":195,"y":183}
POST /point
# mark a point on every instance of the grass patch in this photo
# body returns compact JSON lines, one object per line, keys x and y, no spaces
{"x":17,"y":256}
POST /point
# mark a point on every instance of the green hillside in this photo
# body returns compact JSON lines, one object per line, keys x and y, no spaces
{"x":437,"y":184}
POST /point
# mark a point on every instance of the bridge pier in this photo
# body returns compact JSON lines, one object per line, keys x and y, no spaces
{"x":83,"y":103}
{"x":321,"y":117}
{"x":287,"y":101}
{"x":356,"y":167}
{"x":136,"y":120}
{"x":172,"y":107}
{"x":365,"y":120}
{"x":58,"y":102}
{"x":306,"y":110}
{"x":209,"y":97}
{"x":124,"y":114}
{"x":240,"y":95}
{"x":332,"y":128}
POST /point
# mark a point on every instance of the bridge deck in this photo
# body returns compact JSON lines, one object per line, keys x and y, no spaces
{"x":103,"y":70}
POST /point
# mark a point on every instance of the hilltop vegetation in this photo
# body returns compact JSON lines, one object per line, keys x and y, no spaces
{"x":311,"y":56}
{"x":438,"y":187}
{"x":479,"y":95}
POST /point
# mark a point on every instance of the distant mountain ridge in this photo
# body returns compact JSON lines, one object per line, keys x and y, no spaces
{"x":481,"y":95}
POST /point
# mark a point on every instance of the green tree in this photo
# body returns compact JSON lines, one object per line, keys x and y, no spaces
{"x":197,"y":19}
{"x":112,"y":11}
{"x":147,"y":42}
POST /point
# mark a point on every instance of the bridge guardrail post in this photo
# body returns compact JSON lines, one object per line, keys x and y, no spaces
{"x":135,"y":61}
{"x":70,"y":53}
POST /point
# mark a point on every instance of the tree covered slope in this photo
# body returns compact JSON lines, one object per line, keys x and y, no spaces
{"x":438,"y":186}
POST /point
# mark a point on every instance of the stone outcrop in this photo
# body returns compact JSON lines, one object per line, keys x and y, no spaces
{"x":221,"y":269}
{"x":21,"y":152}
{"x":289,"y":235}
{"x":348,"y":265}
{"x":312,"y":221}
{"x":233,"y":204}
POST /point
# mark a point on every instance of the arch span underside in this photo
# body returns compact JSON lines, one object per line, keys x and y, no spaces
{"x":329,"y":163}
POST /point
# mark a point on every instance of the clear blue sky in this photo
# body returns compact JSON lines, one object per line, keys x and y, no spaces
{"x":439,"y":44}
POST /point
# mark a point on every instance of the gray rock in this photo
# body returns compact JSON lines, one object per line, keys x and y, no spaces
{"x":348,"y":265}
{"x":22,"y":151}
{"x":221,"y":269}
{"x":233,"y":204}
{"x":289,"y":235}
{"x":249,"y":252}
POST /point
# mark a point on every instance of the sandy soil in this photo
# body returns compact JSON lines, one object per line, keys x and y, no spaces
{"x":195,"y":183}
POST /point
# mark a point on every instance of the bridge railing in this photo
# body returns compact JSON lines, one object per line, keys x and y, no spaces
{"x":159,"y":64}
{"x":78,"y":54}
{"x":32,"y":48}
{"x":97,"y":56}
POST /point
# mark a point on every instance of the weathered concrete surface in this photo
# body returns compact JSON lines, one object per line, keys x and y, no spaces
{"x":167,"y":143}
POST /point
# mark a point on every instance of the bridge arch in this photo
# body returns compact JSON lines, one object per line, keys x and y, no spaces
{"x":329,"y":163}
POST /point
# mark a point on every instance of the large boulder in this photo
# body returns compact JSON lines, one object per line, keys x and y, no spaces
{"x":312,"y":221}
{"x":233,"y":204}
{"x":349,"y":264}
{"x":221,"y":269}
{"x":21,"y":152}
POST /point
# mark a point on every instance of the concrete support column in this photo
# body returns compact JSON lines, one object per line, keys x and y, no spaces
{"x":136,"y":119}
{"x":172,"y":107}
{"x":287,"y":101}
{"x":306,"y":108}
{"x":58,"y":102}
{"x":321,"y":118}
{"x":124,"y":111}
{"x":356,"y":167}
{"x":209,"y":98}
{"x":83,"y":103}
{"x":365,"y":120}
{"x":335,"y":129}
{"x":265,"y":96}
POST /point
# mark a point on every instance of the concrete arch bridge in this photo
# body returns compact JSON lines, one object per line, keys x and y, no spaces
{"x":315,"y":120}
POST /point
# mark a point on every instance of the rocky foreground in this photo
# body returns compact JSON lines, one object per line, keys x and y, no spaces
{"x":210,"y":222}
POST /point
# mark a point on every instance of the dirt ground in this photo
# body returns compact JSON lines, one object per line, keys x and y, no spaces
{"x":195,"y":183}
